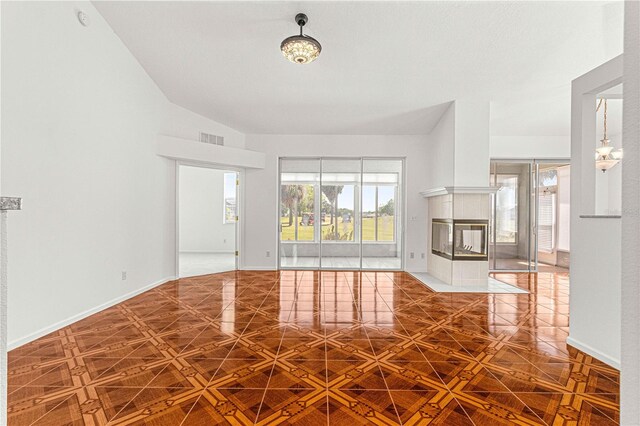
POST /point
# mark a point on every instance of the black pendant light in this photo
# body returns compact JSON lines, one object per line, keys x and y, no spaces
{"x":300,"y":49}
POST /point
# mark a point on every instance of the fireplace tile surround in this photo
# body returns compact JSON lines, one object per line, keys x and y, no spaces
{"x":471,"y":205}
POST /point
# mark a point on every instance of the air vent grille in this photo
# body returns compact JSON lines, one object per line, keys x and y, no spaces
{"x":212,"y":139}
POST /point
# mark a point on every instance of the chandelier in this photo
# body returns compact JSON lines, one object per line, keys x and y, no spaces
{"x":300,"y":49}
{"x":606,"y":157}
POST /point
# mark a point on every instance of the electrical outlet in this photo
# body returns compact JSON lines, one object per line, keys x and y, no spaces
{"x":268,"y":253}
{"x":124,"y":275}
{"x":224,"y":241}
{"x":422,"y":255}
{"x":412,"y":255}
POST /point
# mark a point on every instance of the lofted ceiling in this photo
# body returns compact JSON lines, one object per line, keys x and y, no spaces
{"x":385,"y":67}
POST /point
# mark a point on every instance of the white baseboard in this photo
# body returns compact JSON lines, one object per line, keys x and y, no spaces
{"x":258,"y":268}
{"x":613,"y":362}
{"x":208,"y":251}
{"x":53,"y":327}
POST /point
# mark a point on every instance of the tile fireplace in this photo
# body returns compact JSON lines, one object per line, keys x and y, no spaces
{"x":458,"y":235}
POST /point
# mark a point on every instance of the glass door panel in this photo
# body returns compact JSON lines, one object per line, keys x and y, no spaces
{"x":340,"y":183}
{"x":381,"y":221}
{"x":512,"y":218}
{"x":340,"y":213}
{"x":533,"y":217}
{"x":299,"y":208}
{"x":553,"y":215}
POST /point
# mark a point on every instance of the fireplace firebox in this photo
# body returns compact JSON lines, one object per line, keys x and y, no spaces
{"x":460,"y":239}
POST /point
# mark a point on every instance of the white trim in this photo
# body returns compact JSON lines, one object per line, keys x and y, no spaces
{"x":584,"y":91}
{"x":176,"y":270}
{"x":208,"y":251}
{"x":259,"y":268}
{"x":434,"y":192}
{"x":74,"y":318}
{"x":206,"y":154}
{"x":491,"y":286}
{"x":613,"y":362}
{"x":240,"y":174}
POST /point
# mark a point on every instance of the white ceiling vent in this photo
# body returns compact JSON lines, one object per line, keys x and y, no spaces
{"x":212,"y":139}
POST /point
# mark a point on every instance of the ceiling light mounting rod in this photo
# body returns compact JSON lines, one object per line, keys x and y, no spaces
{"x":605,"y":119}
{"x":302,"y":20}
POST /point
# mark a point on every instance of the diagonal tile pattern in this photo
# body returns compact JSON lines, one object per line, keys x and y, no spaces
{"x":312,"y":348}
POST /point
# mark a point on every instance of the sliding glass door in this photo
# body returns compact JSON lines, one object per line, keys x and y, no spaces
{"x":340,"y":213}
{"x":340,"y":184}
{"x":530,"y":215}
{"x":382,"y":212}
{"x":513,"y":217}
{"x":299,"y":209}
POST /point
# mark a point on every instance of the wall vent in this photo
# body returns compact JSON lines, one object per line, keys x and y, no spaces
{"x":212,"y":139}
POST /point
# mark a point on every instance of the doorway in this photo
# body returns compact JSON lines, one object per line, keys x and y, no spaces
{"x":341,"y":213}
{"x":529,"y":227}
{"x":207,"y":217}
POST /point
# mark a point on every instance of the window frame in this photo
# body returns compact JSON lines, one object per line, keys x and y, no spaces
{"x":376,"y":218}
{"x":317,"y":198}
{"x":517,"y":205}
{"x":225,"y":219}
{"x":316,"y":187}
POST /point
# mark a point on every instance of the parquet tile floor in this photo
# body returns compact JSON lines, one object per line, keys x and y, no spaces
{"x":316,"y":348}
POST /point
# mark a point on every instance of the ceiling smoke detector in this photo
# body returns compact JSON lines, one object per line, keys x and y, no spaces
{"x":83,"y":18}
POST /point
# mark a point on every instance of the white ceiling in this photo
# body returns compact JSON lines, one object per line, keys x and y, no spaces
{"x":385,"y":67}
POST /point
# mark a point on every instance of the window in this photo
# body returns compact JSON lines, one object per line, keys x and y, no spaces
{"x":547,"y":209}
{"x":506,"y":209}
{"x":339,"y":207}
{"x":340,"y":213}
{"x":230,"y":205}
{"x":297,"y":207}
{"x":378,"y":212}
{"x":547,"y":222}
{"x":547,"y":177}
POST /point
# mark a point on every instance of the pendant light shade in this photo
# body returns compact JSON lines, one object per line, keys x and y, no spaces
{"x":606,"y":157}
{"x":300,"y":49}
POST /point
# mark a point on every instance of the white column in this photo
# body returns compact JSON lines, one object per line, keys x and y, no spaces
{"x":6,"y":203}
{"x":471,"y":150}
{"x":3,"y":317}
{"x":630,"y":365}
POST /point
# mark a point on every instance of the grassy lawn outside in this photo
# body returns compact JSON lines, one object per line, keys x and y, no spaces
{"x":305,"y":233}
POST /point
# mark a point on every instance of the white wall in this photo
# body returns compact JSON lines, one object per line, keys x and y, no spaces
{"x":440,"y":160}
{"x":80,"y":122}
{"x":261,"y":192}
{"x":595,"y":296}
{"x":459,"y":146}
{"x":471,"y":152}
{"x":608,"y":191}
{"x":529,"y":147}
{"x":201,"y":212}
{"x":630,"y":374}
